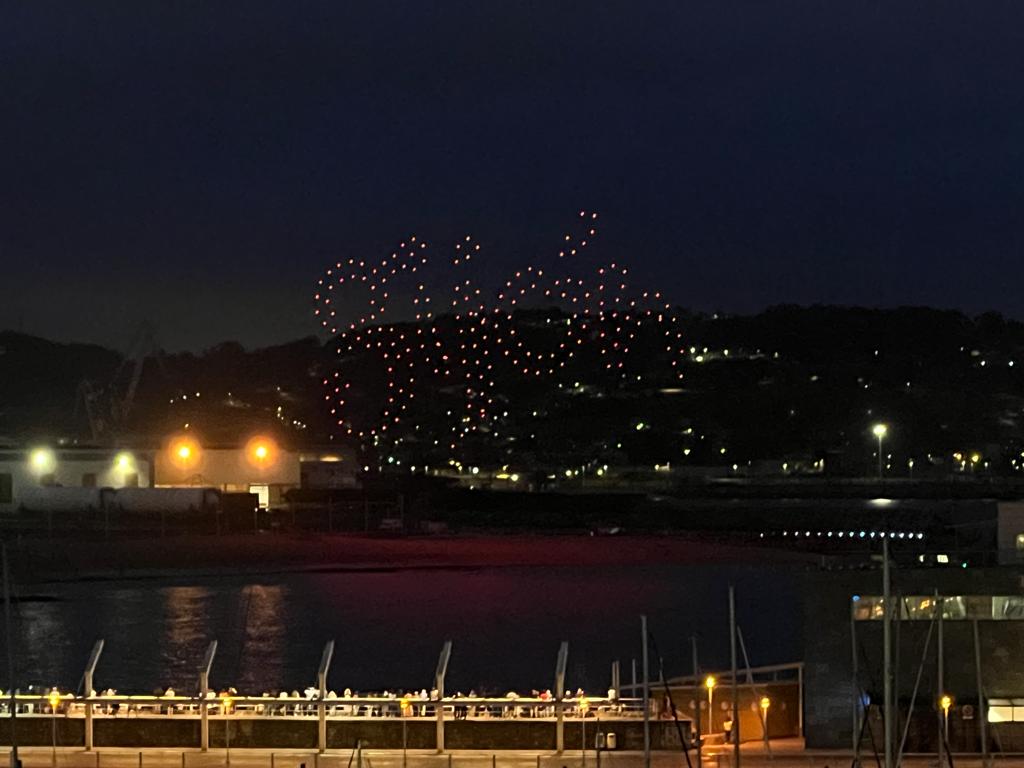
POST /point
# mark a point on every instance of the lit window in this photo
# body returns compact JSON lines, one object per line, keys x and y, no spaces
{"x":1000,"y":713}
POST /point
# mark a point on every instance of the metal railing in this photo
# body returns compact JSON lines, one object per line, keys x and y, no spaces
{"x":390,"y":706}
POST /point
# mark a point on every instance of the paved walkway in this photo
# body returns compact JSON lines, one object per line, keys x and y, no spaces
{"x":785,"y":753}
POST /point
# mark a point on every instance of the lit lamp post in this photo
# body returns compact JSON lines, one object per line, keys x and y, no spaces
{"x":54,"y":699}
{"x":765,"y":703}
{"x":584,"y":706}
{"x":709,"y":683}
{"x":226,"y":702}
{"x":879,"y":431}
{"x":945,"y":702}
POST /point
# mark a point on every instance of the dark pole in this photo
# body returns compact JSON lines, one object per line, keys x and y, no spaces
{"x":697,"y":699}
{"x":735,"y":682}
{"x":888,"y":713}
{"x":646,"y":694}
{"x":15,"y":762}
{"x":982,"y":709}
{"x":941,"y":684}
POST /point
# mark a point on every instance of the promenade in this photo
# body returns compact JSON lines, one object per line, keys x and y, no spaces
{"x":785,"y":753}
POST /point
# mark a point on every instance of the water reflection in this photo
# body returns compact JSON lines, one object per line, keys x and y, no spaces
{"x":263,"y":648}
{"x":184,"y":632}
{"x":506,"y":624}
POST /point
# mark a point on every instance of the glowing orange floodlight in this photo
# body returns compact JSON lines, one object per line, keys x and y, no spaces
{"x":184,"y":452}
{"x":261,"y":451}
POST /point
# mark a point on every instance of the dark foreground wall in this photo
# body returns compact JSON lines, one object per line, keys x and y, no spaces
{"x":280,"y":733}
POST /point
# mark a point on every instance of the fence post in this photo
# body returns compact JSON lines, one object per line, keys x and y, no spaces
{"x":140,"y":759}
{"x":182,"y":760}
{"x":271,"y":760}
{"x":494,"y":761}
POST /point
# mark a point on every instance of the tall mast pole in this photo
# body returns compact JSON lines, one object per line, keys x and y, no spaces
{"x":735,"y":680}
{"x":888,"y":713}
{"x":15,"y":762}
{"x":646,"y":694}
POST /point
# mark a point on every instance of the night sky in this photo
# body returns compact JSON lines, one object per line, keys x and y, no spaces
{"x":196,"y":164}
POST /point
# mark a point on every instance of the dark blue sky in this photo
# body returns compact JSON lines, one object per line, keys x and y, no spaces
{"x":196,"y":164}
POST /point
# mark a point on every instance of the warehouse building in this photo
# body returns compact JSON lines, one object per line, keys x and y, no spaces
{"x":33,"y":476}
{"x":260,"y":467}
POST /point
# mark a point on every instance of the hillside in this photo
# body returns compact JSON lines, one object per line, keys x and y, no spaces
{"x":797,"y":383}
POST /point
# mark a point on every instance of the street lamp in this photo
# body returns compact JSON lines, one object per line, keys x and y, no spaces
{"x":765,"y":703}
{"x":226,"y":702}
{"x":709,"y":683}
{"x":54,"y":699}
{"x":584,"y":706}
{"x":945,"y":702}
{"x":879,"y":431}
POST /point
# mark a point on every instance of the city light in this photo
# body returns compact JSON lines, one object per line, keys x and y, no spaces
{"x":710,"y":682}
{"x":124,"y":462}
{"x":765,"y":703}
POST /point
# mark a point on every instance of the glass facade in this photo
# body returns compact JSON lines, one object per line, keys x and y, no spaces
{"x":1006,"y":710}
{"x":954,"y":607}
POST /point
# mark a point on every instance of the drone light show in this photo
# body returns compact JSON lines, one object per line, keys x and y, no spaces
{"x":464,"y":351}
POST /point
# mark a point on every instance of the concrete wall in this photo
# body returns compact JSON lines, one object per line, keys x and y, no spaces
{"x":174,"y":732}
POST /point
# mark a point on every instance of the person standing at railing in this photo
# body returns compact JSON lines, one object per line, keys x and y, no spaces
{"x":424,"y":697}
{"x":512,"y":710}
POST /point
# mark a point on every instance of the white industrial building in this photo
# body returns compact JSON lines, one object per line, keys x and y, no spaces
{"x":70,"y":476}
{"x":260,"y":467}
{"x":63,"y":479}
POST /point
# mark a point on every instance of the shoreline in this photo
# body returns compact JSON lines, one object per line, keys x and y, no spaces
{"x":60,"y":561}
